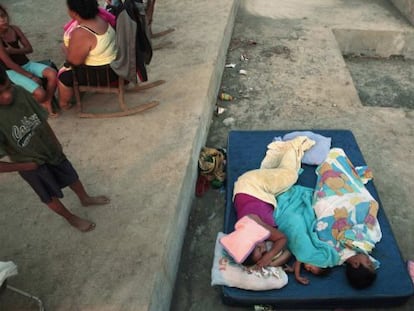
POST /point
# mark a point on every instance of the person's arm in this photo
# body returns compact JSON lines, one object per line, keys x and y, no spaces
{"x":296,"y":267}
{"x":278,"y":239}
{"x":6,"y":167}
{"x":26,"y":47}
{"x":282,"y":259}
{"x":80,"y":44}
{"x":5,"y":58}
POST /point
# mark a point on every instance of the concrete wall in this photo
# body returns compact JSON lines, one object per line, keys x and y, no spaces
{"x":406,"y":7}
{"x":375,"y":43}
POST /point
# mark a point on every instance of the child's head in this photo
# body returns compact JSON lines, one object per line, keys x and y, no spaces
{"x":316,"y":270}
{"x":4,"y":17}
{"x":6,"y":95}
{"x":360,"y":271}
{"x":256,"y":254}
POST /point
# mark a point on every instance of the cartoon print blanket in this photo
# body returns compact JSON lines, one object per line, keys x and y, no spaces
{"x":346,"y":211}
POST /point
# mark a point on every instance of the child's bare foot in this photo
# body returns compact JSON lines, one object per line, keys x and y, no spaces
{"x":49,"y":109}
{"x":98,"y":200}
{"x":81,"y":224}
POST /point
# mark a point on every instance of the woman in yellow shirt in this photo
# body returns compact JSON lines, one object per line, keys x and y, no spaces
{"x":92,"y":43}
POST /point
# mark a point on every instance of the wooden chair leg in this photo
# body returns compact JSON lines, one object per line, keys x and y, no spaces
{"x":121,"y":94}
{"x":123,"y":110}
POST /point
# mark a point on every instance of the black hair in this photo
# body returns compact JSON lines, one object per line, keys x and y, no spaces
{"x":360,"y":277}
{"x":86,"y":9}
{"x":3,"y":8}
{"x":3,"y":75}
{"x":249,"y":261}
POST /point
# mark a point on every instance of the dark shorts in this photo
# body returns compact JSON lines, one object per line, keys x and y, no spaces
{"x":48,"y":180}
{"x":89,"y":75}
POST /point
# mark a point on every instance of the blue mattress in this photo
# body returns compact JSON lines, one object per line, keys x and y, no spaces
{"x":393,"y":287}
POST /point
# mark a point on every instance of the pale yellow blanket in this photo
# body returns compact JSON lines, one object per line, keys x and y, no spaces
{"x":278,"y":170}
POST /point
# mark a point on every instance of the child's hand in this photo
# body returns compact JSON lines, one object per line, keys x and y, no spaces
{"x":37,"y":80}
{"x":288,"y":268}
{"x":30,"y":166}
{"x":302,"y":280}
{"x":264,"y":261}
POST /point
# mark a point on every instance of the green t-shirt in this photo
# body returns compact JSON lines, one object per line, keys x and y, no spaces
{"x":25,"y":135}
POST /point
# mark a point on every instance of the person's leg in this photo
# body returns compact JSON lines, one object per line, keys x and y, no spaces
{"x":41,"y":70}
{"x":149,"y":13}
{"x":85,"y":198}
{"x":50,"y":75}
{"x":28,"y":84}
{"x":75,"y":221}
{"x":65,"y":95}
{"x":47,"y":181}
{"x":40,"y":95}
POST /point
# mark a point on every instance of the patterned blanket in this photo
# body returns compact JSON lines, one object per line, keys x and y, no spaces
{"x":346,"y":211}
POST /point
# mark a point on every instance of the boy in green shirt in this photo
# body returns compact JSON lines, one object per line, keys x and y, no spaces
{"x":35,"y":152}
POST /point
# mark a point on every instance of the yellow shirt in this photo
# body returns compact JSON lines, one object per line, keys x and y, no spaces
{"x":105,"y":50}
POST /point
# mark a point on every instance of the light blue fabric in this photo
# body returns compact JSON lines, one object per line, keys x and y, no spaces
{"x":295,"y":217}
{"x":25,"y":82}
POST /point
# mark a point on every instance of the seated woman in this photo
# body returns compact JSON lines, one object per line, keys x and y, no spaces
{"x":91,"y":43}
{"x":254,"y":195}
{"x":20,"y":69}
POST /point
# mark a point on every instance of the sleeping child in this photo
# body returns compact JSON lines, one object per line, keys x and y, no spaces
{"x":254,"y":196}
{"x":347,"y":217}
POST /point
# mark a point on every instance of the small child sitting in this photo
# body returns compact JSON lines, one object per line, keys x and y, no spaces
{"x":14,"y":46}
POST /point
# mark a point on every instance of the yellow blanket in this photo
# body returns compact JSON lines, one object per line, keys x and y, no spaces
{"x":278,"y":170}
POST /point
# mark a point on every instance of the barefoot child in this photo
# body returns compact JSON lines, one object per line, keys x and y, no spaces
{"x":21,"y":71}
{"x":35,"y":152}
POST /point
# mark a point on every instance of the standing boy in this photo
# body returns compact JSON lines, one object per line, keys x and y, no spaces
{"x":35,"y":152}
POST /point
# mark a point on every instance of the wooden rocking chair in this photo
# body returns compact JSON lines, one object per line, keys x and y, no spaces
{"x":95,"y":84}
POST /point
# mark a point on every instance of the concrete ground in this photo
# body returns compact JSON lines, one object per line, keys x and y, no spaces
{"x":147,"y":164}
{"x":297,"y":78}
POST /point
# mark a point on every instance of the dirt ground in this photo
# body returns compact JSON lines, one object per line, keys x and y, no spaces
{"x":282,"y":89}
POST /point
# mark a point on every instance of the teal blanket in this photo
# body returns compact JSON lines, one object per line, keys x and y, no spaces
{"x":295,"y":217}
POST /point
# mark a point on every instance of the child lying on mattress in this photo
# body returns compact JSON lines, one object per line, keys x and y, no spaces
{"x":347,"y":217}
{"x":284,"y":257}
{"x":254,"y":196}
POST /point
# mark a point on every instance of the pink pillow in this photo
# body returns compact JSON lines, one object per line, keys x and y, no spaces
{"x":240,"y":243}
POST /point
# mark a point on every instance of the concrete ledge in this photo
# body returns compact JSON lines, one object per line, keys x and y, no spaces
{"x":375,"y":43}
{"x":406,"y":7}
{"x":165,"y":278}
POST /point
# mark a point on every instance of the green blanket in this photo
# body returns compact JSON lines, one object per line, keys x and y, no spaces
{"x":295,"y":217}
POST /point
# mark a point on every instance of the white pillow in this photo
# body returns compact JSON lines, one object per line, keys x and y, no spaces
{"x":227,"y":272}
